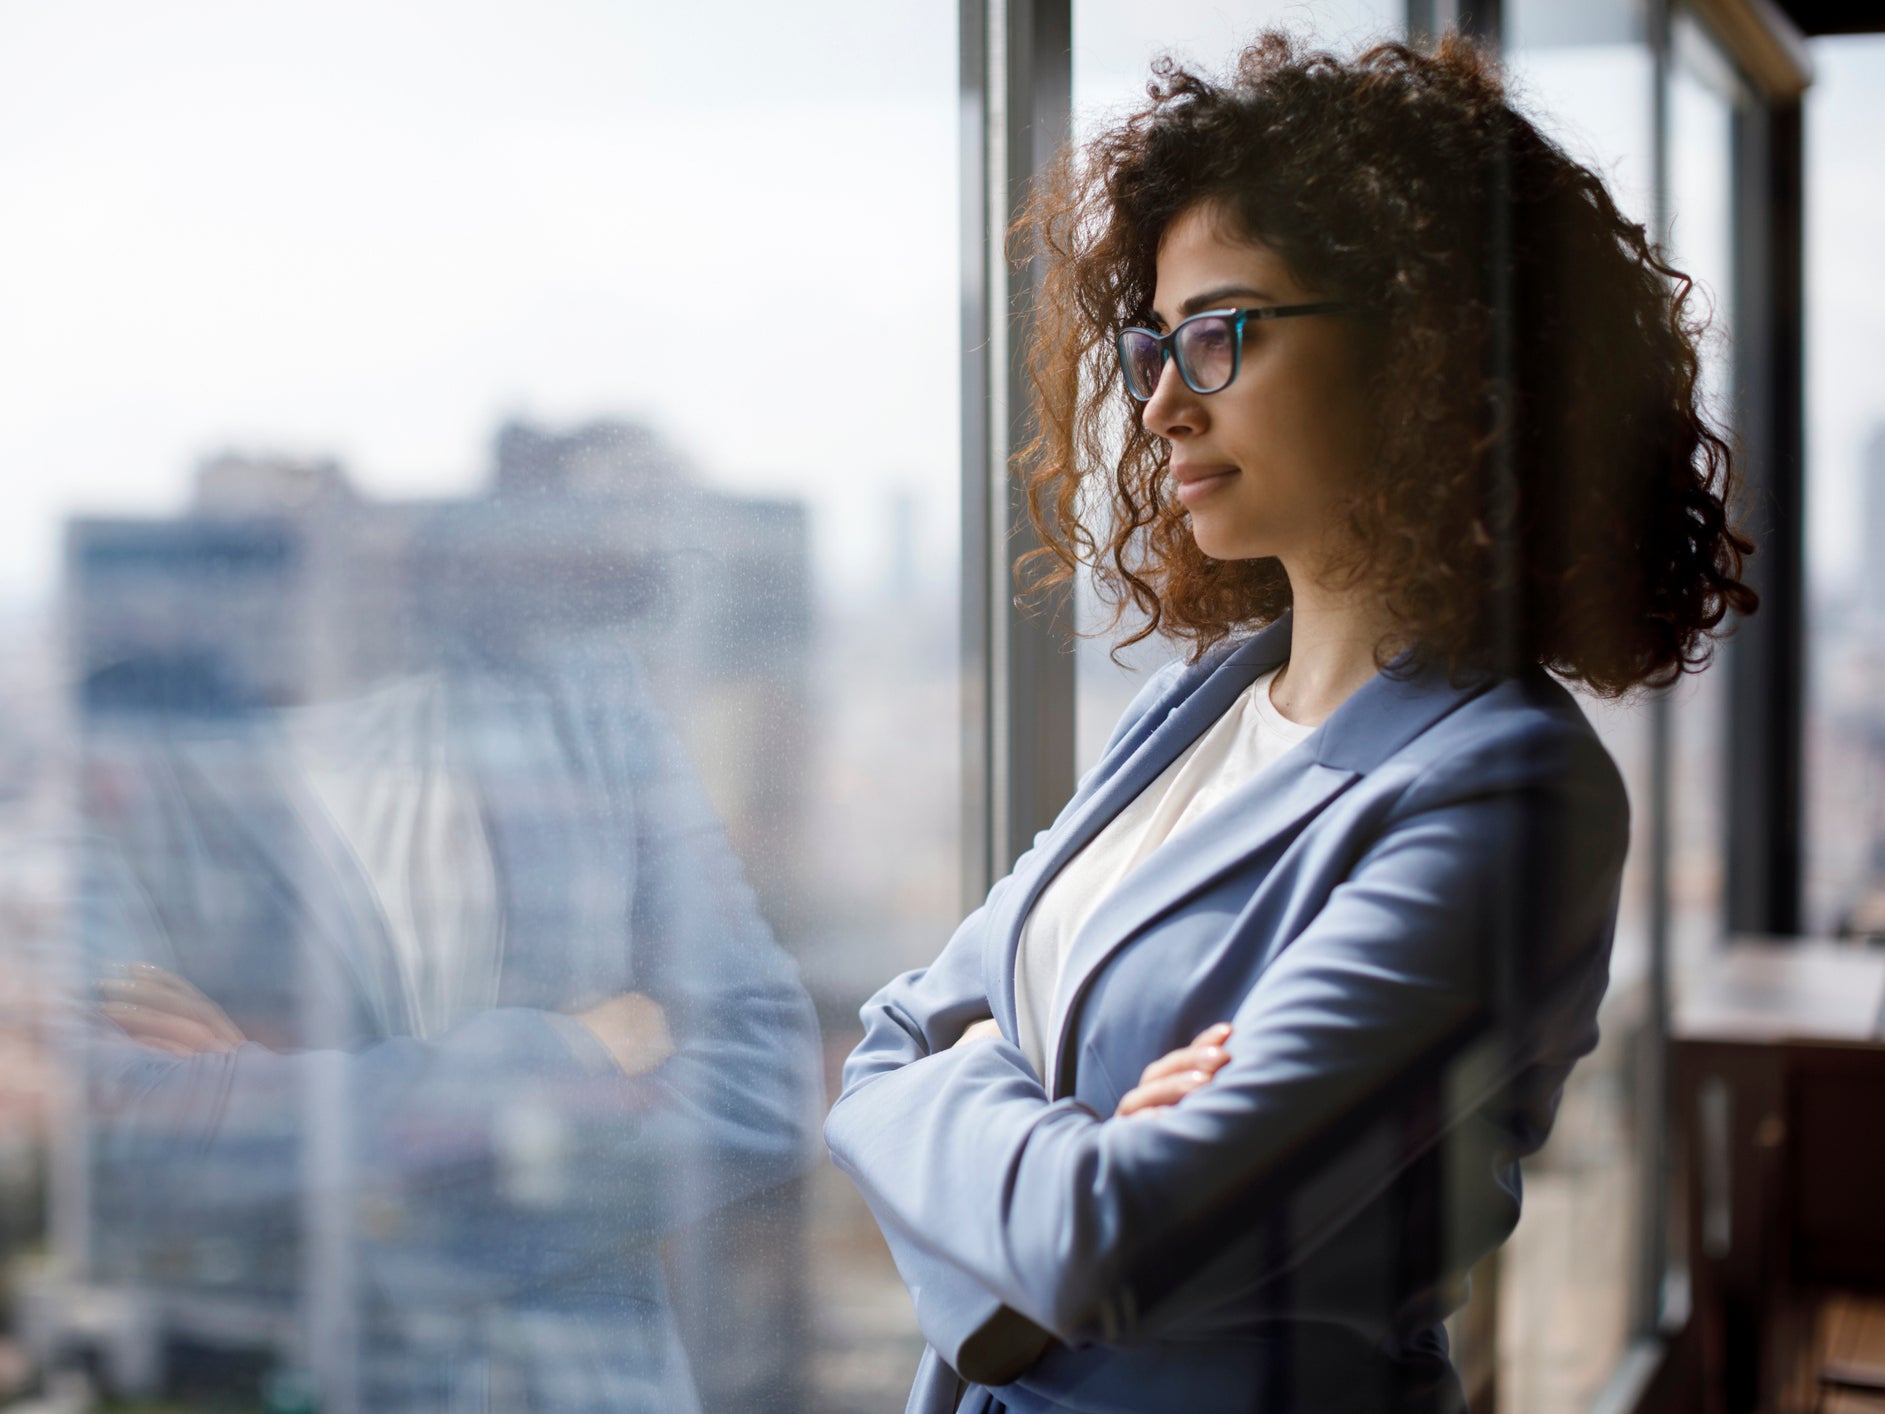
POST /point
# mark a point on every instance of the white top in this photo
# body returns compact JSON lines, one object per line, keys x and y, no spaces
{"x":1250,"y":736}
{"x":380,"y":768}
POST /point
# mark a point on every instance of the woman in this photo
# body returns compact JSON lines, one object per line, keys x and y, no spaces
{"x":1224,"y":1089}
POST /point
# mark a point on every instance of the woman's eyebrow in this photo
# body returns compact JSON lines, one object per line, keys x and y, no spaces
{"x":1215,"y":299}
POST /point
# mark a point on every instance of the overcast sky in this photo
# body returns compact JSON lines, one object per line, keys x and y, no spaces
{"x":372,"y":230}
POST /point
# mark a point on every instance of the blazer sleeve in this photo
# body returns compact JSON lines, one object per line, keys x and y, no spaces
{"x":917,"y":1016}
{"x":1490,"y":890}
{"x":920,"y":1015}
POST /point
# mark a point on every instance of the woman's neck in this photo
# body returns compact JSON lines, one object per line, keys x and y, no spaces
{"x":1334,"y":636}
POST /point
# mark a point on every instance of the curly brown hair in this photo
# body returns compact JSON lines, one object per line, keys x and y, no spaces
{"x":1546,"y":486}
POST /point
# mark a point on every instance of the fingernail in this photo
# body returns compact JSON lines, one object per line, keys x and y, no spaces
{"x":1216,"y":1053}
{"x":1197,"y":1077}
{"x":1221,"y":1029}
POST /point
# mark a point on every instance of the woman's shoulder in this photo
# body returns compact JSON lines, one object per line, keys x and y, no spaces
{"x":1523,"y":731}
{"x":1528,"y":706}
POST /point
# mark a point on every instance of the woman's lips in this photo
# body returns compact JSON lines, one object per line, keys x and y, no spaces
{"x":1194,"y":484}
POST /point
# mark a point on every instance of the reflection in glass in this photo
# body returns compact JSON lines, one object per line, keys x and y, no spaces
{"x":453,"y":1001}
{"x":365,"y":675}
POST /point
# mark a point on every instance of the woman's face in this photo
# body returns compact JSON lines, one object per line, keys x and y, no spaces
{"x":1263,"y":465}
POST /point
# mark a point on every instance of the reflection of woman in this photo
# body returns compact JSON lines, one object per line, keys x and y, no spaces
{"x":1399,"y":389}
{"x":537,"y":1025}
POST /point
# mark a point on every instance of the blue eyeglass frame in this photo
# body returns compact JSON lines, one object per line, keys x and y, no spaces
{"x":1168,"y":343}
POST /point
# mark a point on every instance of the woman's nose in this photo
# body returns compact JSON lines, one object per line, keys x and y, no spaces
{"x":1173,"y":410}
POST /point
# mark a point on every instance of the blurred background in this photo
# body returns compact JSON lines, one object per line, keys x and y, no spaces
{"x":499,"y":519}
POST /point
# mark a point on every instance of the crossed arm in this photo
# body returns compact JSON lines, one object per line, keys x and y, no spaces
{"x":159,"y":1009}
{"x":1165,"y":1081}
{"x":1008,"y":1210}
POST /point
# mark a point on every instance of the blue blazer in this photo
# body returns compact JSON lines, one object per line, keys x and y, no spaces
{"x":1407,"y":921}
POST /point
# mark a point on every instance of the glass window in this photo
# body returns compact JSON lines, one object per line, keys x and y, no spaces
{"x":1845,"y":490}
{"x":481,"y":591}
{"x":1704,"y":92}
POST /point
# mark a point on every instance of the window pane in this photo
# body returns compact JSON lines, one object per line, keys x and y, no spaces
{"x":483,"y":598}
{"x":1703,"y":93}
{"x":1845,"y":326}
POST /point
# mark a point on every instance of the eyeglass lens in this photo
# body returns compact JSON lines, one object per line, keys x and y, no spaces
{"x":1141,"y":361}
{"x":1204,"y":347}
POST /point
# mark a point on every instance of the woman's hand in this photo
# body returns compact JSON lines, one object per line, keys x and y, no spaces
{"x":987,"y":1028}
{"x":159,"y":1009}
{"x":1176,"y":1074}
{"x":634,"y":1029}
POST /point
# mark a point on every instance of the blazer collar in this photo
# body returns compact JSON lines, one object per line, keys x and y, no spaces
{"x":1388,"y":711}
{"x":1202,"y":693}
{"x":1257,"y":817}
{"x":1379,"y":718}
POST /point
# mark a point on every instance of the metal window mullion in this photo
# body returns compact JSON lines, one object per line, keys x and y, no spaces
{"x":1035,"y":756}
{"x":1652,"y":1052}
{"x":1765,"y":658}
{"x":977,"y":650}
{"x":1017,"y":67}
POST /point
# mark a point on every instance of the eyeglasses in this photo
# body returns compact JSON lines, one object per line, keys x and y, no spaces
{"x":1207,"y":346}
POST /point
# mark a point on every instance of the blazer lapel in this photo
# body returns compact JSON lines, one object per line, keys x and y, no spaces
{"x":1239,"y":826}
{"x":269,"y":819}
{"x":1133,"y":764}
{"x":1381,"y":717}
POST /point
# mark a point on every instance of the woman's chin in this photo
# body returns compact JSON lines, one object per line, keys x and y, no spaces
{"x":1219,"y":543}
